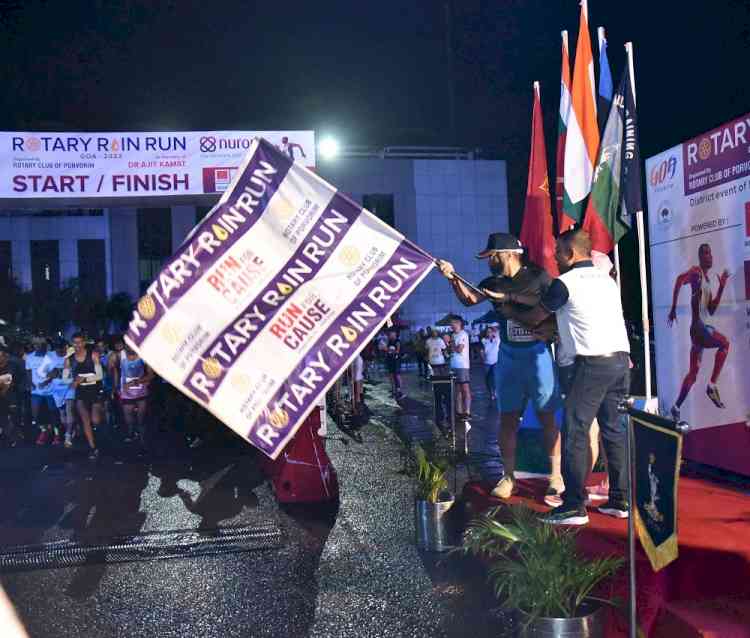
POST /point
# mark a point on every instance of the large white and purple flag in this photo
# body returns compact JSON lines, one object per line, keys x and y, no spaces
{"x":272,"y":296}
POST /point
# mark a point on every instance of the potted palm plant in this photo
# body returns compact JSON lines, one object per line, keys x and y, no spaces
{"x":537,"y":571}
{"x":433,"y":501}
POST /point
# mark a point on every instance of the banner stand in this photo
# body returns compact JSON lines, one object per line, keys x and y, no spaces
{"x":628,"y":412}
{"x":632,"y":606}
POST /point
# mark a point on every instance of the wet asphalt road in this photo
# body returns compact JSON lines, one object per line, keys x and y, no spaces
{"x":347,"y":571}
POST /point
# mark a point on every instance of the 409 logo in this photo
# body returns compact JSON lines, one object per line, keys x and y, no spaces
{"x":663,"y":171}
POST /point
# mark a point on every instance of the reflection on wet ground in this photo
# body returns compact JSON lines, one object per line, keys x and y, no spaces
{"x":342,"y":570}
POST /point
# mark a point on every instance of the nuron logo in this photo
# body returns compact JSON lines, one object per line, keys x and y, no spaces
{"x":208,"y":144}
{"x":663,"y":171}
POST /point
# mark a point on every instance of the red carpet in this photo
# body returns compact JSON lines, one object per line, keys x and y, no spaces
{"x":705,"y":592}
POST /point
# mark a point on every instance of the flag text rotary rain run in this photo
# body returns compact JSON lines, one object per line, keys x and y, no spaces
{"x":272,"y":296}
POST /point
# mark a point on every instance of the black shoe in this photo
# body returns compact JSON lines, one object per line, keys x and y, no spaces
{"x":618,"y":509}
{"x":566,"y":515}
{"x":94,"y":454}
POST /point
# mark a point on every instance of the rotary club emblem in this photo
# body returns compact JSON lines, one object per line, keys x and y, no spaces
{"x":349,"y":256}
{"x":170,"y":333}
{"x":704,"y":148}
{"x":147,"y":307}
{"x":211,"y":367}
{"x":277,"y":418}
{"x":240,"y":381}
{"x":283,"y":209}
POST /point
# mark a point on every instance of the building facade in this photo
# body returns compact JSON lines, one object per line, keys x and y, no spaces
{"x":446,"y":206}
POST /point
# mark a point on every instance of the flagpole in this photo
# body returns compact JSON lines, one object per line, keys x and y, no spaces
{"x":640,"y":228}
{"x":601,"y":37}
{"x":617,"y":267}
{"x":647,"y":371}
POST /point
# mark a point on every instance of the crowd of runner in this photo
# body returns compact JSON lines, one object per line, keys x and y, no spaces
{"x":55,"y":392}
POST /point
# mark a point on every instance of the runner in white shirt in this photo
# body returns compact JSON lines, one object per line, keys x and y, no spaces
{"x":63,"y":394}
{"x":491,"y":349}
{"x":41,"y":396}
{"x":461,"y":366}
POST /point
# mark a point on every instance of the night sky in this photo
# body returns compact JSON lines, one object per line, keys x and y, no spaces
{"x":370,"y":73}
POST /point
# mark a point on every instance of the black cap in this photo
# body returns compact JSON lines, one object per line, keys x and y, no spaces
{"x":501,"y":241}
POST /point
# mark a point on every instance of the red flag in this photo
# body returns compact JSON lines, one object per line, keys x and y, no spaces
{"x":536,"y":232}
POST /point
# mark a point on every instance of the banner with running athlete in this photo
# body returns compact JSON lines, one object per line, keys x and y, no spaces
{"x":134,"y":164}
{"x":699,"y":233}
{"x":272,"y":296}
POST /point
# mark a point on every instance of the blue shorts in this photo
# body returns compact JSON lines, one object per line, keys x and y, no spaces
{"x":526,"y":374}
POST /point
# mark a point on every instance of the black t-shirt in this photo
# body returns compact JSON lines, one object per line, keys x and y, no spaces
{"x":530,"y":280}
{"x":393,"y":350}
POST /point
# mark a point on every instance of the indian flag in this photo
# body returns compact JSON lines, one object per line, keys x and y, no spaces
{"x":563,"y":221}
{"x":582,"y":139}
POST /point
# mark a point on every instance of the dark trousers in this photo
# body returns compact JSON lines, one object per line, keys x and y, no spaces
{"x":442,"y":392}
{"x":422,"y":364}
{"x":489,"y":378}
{"x":599,"y":384}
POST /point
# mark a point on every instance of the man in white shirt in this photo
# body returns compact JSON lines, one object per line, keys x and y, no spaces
{"x":490,"y":349}
{"x":461,"y":366}
{"x":586,"y":302}
{"x":63,"y":394}
{"x":41,"y":396}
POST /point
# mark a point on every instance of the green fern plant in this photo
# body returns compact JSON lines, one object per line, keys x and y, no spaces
{"x":536,"y":568}
{"x":431,"y":479}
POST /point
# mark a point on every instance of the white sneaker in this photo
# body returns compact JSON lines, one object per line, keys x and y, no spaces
{"x":505,"y":487}
{"x":556,"y":487}
{"x":68,"y":440}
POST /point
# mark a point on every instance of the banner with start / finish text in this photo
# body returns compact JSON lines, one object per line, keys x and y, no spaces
{"x":79,"y":165}
{"x":699,"y":232}
{"x":272,"y":296}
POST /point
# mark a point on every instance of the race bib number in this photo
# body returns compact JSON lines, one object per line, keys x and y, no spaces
{"x":518,"y":334}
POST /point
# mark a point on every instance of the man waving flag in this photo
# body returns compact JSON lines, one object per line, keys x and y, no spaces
{"x":582,"y":140}
{"x":616,"y":193}
{"x":536,"y":232}
{"x":563,"y":221}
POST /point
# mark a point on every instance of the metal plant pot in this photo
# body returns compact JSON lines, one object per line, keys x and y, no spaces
{"x":431,"y":525}
{"x":590,"y":625}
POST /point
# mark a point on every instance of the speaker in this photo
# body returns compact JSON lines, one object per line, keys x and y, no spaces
{"x":303,"y":473}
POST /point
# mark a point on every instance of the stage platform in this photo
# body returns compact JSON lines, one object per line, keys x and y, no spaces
{"x":705,"y":592}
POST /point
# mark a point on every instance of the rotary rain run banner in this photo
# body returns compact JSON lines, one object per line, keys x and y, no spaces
{"x":271,"y":297}
{"x":80,"y":165}
{"x":658,"y":454}
{"x":699,"y":232}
